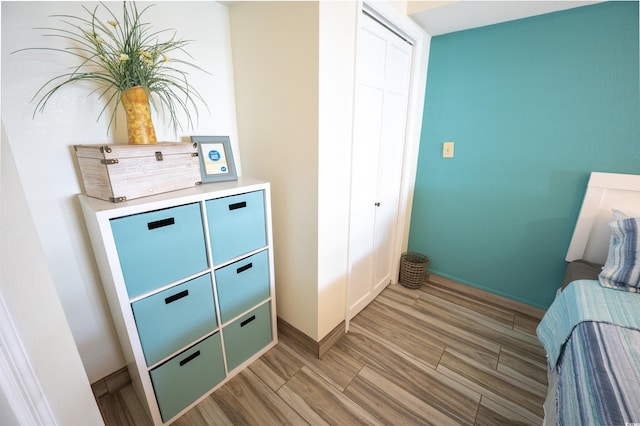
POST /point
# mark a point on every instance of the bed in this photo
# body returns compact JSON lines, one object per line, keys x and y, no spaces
{"x":591,"y":332}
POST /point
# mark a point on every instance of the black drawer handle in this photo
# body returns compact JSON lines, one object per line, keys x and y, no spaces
{"x":236,"y":206}
{"x":161,"y":223}
{"x":247,"y":321}
{"x":244,"y":268}
{"x":191,"y":357}
{"x":177,"y":296}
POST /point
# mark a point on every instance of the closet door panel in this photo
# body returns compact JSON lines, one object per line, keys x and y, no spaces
{"x":382,"y":82}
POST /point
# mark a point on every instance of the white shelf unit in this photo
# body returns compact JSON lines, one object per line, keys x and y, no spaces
{"x":189,"y":279}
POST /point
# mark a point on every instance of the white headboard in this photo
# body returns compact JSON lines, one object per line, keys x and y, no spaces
{"x":590,"y":240}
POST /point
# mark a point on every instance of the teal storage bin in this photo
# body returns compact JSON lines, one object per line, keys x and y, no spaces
{"x":175,"y":318}
{"x":159,"y":247}
{"x":242,"y":285}
{"x":244,"y":337}
{"x":236,"y":225}
{"x":186,"y":377}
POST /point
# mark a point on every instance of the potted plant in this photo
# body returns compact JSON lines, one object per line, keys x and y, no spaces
{"x":130,"y":67}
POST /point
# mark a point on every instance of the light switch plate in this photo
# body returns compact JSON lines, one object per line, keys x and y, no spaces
{"x":447,"y":150}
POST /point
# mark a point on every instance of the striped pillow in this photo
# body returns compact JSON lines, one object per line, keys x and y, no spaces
{"x":622,"y":269}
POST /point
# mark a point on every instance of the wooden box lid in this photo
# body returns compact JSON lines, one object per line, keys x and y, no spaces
{"x":116,"y":151}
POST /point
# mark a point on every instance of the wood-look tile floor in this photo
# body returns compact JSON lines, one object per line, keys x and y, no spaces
{"x":412,"y":357}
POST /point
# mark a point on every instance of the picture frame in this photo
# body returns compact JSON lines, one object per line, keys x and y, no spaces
{"x":216,"y":158}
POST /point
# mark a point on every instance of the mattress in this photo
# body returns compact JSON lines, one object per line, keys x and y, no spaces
{"x":581,"y":270}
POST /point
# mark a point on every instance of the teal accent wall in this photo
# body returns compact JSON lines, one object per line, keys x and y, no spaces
{"x":533,"y":106}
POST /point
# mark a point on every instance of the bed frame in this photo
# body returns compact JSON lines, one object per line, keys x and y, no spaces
{"x":590,"y":240}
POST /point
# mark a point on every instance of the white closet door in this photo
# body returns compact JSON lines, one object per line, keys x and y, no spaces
{"x":382,"y":86}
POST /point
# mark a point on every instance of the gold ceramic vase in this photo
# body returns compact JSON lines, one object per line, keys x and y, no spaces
{"x":139,"y":125}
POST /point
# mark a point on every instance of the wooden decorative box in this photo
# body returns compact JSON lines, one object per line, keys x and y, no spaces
{"x":123,"y":172}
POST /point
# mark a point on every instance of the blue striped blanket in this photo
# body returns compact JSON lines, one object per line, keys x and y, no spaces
{"x":592,"y":338}
{"x":585,"y":300}
{"x":599,"y":376}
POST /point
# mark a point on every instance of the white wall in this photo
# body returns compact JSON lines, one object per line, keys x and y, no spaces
{"x":275,"y":56}
{"x":337,"y":51}
{"x":37,"y":335}
{"x":42,"y":146}
{"x":295,"y":121}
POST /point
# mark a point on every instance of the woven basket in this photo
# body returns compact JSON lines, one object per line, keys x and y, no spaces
{"x":413,"y":269}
